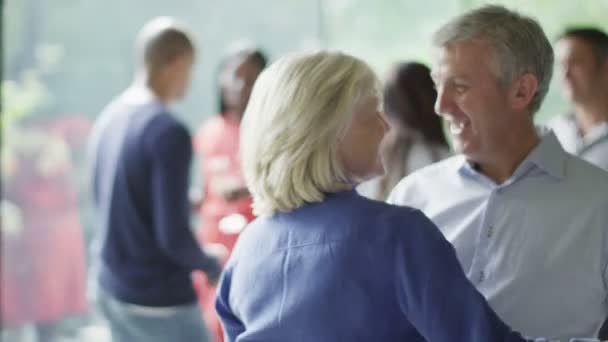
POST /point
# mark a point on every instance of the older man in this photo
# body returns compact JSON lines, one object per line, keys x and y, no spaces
{"x":528,"y":220}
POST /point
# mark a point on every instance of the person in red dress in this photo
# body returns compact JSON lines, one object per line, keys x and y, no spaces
{"x":225,"y":207}
{"x":43,"y":261}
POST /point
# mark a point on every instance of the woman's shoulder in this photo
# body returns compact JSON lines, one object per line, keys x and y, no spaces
{"x":398,"y":222}
{"x":380,"y":220}
{"x":378,"y":228}
{"x":396,"y":215}
{"x":342,"y":216}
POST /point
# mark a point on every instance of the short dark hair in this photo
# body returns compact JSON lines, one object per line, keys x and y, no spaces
{"x":244,"y":54}
{"x":409,"y":96}
{"x":596,"y":38}
{"x":161,"y":41}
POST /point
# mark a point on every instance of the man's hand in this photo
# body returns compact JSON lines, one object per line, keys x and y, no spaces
{"x":195,"y":195}
{"x":230,"y":188}
{"x":220,"y":254}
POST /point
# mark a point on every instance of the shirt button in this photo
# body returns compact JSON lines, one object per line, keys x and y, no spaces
{"x":482,"y":276}
{"x":490,"y":231}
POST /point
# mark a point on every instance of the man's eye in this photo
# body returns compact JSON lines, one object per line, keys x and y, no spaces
{"x":460,"y":88}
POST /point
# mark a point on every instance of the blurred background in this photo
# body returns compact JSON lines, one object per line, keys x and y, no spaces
{"x":64,"y":60}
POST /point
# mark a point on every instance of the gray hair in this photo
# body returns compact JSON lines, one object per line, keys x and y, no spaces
{"x":519,"y":44}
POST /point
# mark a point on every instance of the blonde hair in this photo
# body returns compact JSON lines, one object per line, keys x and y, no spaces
{"x":299,"y":109}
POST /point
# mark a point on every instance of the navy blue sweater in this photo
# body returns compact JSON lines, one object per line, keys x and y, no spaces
{"x":142,"y":159}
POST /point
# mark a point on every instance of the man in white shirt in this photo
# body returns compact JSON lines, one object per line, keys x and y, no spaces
{"x":583,"y":58}
{"x":528,"y":220}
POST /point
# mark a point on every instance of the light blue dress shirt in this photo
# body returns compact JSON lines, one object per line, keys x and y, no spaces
{"x":593,"y":146}
{"x":535,"y":246}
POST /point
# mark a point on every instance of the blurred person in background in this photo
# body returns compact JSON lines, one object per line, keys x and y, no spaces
{"x":582,"y":54}
{"x":416,"y":138}
{"x":43,"y":280}
{"x":217,"y":144}
{"x":225,"y":206}
{"x":141,"y":156}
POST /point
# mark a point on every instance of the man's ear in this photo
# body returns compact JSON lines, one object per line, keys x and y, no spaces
{"x":603,"y":69}
{"x":523,"y":90}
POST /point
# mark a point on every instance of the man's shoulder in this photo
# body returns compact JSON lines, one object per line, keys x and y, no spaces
{"x":148,"y":123}
{"x":561,"y":121}
{"x":163,"y":126}
{"x":452,"y":163}
{"x":415,"y":188}
{"x":438,"y":171}
{"x":566,"y":118}
{"x":587,"y":176}
{"x":564,"y":126}
{"x":110,"y":114}
{"x":167,"y":139}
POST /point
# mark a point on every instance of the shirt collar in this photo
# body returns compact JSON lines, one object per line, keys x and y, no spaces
{"x":138,"y":94}
{"x":548,"y":156}
{"x":596,"y":133}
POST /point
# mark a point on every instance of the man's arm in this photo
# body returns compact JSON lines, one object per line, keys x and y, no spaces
{"x":171,"y":152}
{"x":434,"y":293}
{"x":400,"y":194}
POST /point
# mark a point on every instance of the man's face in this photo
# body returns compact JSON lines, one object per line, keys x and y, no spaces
{"x":581,"y":73}
{"x":180,"y":74}
{"x":470,"y":99}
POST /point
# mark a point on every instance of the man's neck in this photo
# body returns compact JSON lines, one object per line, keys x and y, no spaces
{"x":501,"y":166}
{"x":591,"y":114}
{"x":156,"y":88}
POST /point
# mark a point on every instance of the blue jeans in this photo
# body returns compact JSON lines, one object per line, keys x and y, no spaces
{"x":134,"y":323}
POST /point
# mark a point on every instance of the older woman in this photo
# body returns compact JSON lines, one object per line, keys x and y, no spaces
{"x":322,"y":263}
